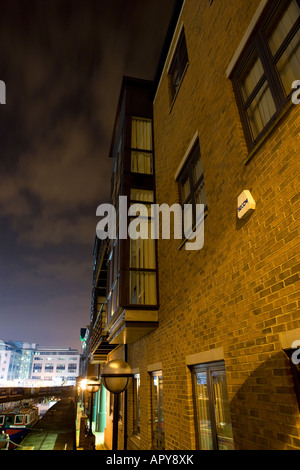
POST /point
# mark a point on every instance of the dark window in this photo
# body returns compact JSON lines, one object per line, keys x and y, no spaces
{"x":211,"y":407}
{"x":178,"y":65}
{"x":136,"y":405}
{"x":267,"y":69}
{"x":191,"y":182}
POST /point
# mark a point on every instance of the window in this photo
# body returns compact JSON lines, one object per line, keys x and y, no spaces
{"x":136,"y":405}
{"x":178,"y":66}
{"x":19,"y":419}
{"x":141,"y":146}
{"x":211,"y":407}
{"x":72,"y":367}
{"x":142,"y":259}
{"x":191,"y":182}
{"x":263,"y":79}
{"x":158,"y":430}
{"x":48,"y":368}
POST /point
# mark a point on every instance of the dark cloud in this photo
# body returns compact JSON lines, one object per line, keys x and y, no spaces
{"x":62,"y":62}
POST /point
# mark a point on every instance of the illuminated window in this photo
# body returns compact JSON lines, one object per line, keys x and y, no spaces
{"x":136,"y":405}
{"x":158,"y":424}
{"x":141,"y":146}
{"x":211,"y":407}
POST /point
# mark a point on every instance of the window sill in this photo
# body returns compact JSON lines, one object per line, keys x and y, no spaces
{"x":179,"y":86}
{"x":270,"y":129}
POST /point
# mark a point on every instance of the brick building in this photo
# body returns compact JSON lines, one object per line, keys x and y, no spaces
{"x":208,"y":346}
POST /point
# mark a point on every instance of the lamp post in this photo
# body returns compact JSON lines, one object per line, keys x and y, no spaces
{"x":115,"y":376}
{"x":92,"y":386}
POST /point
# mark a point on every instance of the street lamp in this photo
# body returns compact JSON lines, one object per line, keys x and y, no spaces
{"x":92,"y":386}
{"x":115,"y":376}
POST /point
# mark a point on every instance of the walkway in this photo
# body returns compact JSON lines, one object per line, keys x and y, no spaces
{"x":55,"y":430}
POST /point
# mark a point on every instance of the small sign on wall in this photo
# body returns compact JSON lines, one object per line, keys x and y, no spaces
{"x":245,"y":203}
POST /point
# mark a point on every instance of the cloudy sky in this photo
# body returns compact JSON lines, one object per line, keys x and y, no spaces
{"x":62,"y":62}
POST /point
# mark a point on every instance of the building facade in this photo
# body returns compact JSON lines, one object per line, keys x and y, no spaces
{"x":15,"y":361}
{"x":31,"y":365}
{"x":210,"y":340}
{"x":55,"y":366}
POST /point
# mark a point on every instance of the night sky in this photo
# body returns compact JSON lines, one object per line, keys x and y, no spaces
{"x":62,"y":62}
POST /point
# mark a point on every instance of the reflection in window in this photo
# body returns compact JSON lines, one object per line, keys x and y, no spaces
{"x":267,"y":68}
{"x":136,"y":405}
{"x":158,"y":428}
{"x":213,"y":422}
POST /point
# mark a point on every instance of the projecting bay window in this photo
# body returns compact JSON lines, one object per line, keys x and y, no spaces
{"x":268,"y":67}
{"x":141,"y":146}
{"x":211,"y":407}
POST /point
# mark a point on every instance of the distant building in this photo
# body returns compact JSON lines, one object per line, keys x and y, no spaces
{"x":15,"y":360}
{"x":29,"y":364}
{"x":56,"y":366}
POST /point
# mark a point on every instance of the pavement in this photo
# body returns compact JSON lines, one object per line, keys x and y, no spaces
{"x":55,"y":430}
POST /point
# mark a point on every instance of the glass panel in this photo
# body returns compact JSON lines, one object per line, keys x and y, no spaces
{"x":19,"y":419}
{"x":200,"y":194}
{"x":142,"y":288}
{"x":158,"y":437}
{"x":141,"y":195}
{"x":197,"y":168}
{"x":136,"y":406}
{"x":222,"y":412}
{"x":289,"y":64}
{"x":155,"y":425}
{"x":284,"y":26}
{"x":141,"y":162}
{"x":185,"y":189}
{"x":252,"y":79}
{"x":142,"y":253}
{"x":203,"y":412}
{"x":141,"y":134}
{"x":175,"y":78}
{"x":260,"y":111}
{"x":161,"y":413}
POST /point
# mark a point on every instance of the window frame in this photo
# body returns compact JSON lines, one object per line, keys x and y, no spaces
{"x":182,"y":66}
{"x":136,"y":405}
{"x":187,"y":172}
{"x":258,"y":46}
{"x":208,"y":368}
{"x":158,"y":437}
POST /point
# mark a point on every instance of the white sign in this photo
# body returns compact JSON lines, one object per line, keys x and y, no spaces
{"x":245,"y":204}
